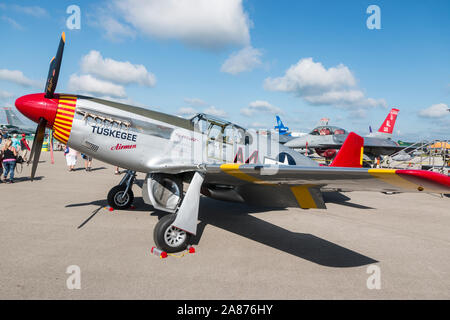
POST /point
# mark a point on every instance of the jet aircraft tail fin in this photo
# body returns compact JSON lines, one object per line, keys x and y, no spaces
{"x":387,"y":127}
{"x":351,"y":153}
{"x":12,"y":118}
{"x":282,"y":129}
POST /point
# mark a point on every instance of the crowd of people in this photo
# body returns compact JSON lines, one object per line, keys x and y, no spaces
{"x":14,"y":150}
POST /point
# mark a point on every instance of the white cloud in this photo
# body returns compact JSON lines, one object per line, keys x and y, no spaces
{"x":358,"y":114}
{"x":195,"y":102}
{"x":115,"y":30}
{"x":258,"y":107}
{"x":320,"y":86}
{"x":34,"y":11}
{"x":200,"y":23}
{"x":12,"y":22}
{"x":257,"y":125}
{"x":244,"y":60}
{"x":18,"y":77}
{"x":435,"y":111}
{"x":212,"y":110}
{"x":90,"y":85}
{"x":116,"y":71}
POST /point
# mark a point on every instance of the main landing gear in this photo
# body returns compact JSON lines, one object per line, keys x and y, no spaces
{"x":168,"y":237}
{"x":121,"y":197}
{"x":173,"y":232}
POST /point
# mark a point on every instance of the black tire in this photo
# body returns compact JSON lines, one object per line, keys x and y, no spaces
{"x":159,"y":235}
{"x":114,"y":197}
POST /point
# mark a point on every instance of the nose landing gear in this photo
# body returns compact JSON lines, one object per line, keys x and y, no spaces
{"x":121,"y":197}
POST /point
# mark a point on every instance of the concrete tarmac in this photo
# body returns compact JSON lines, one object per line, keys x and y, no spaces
{"x":243,"y":252}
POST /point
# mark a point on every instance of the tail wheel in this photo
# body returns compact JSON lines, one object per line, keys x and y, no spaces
{"x":168,"y":237}
{"x":118,"y":199}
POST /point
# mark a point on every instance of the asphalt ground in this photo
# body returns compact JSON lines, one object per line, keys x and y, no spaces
{"x":399,"y":241}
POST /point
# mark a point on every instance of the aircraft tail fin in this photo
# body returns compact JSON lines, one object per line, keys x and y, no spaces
{"x":282,"y":129}
{"x":12,"y":118}
{"x":351,"y":153}
{"x":387,"y":127}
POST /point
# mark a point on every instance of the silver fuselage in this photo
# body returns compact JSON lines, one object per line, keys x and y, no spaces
{"x":149,"y":141}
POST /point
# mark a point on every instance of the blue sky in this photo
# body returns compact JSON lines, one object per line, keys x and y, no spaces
{"x":231,"y":58}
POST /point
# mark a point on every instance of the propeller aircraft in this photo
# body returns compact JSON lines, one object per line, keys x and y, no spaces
{"x":214,"y":157}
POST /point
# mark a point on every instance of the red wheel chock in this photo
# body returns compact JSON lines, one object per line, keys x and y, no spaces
{"x":162,"y":254}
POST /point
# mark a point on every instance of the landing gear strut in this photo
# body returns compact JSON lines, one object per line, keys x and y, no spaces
{"x":121,"y":196}
{"x":172,"y":233}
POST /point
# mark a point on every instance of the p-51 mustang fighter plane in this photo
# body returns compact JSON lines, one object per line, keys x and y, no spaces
{"x":216,"y":158}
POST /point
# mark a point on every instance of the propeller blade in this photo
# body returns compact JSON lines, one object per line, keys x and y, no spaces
{"x":37,"y":145}
{"x":55,"y":66}
{"x":33,"y":146}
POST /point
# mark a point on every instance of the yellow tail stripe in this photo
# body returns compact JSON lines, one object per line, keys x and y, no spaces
{"x":362,"y":156}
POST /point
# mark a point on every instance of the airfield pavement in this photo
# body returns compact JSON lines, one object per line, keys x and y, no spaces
{"x":243,"y":252}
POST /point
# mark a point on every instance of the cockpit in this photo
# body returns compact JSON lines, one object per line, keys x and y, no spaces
{"x":327,"y":130}
{"x":218,"y":129}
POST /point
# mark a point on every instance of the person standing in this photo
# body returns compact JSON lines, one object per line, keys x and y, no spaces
{"x":9,"y":161}
{"x":16,"y":142}
{"x":24,"y":147}
{"x":71,"y":158}
{"x":87,"y":162}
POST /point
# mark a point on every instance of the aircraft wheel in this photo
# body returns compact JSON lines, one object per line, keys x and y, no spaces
{"x":168,"y":237}
{"x":117,"y":198}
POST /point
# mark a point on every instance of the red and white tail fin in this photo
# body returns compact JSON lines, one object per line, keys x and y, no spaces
{"x":387,"y":127}
{"x":351,"y":153}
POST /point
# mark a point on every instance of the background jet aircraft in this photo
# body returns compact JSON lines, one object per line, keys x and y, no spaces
{"x":14,"y":124}
{"x":326,"y":139}
{"x":216,"y":158}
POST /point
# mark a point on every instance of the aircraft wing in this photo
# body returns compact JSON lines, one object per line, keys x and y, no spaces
{"x":265,"y":184}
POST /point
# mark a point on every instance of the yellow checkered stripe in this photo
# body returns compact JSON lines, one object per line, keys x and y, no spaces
{"x":64,"y":118}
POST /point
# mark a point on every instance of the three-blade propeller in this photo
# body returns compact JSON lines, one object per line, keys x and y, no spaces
{"x":50,"y":87}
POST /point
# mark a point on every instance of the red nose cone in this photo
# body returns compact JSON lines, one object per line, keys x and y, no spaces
{"x":36,"y":106}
